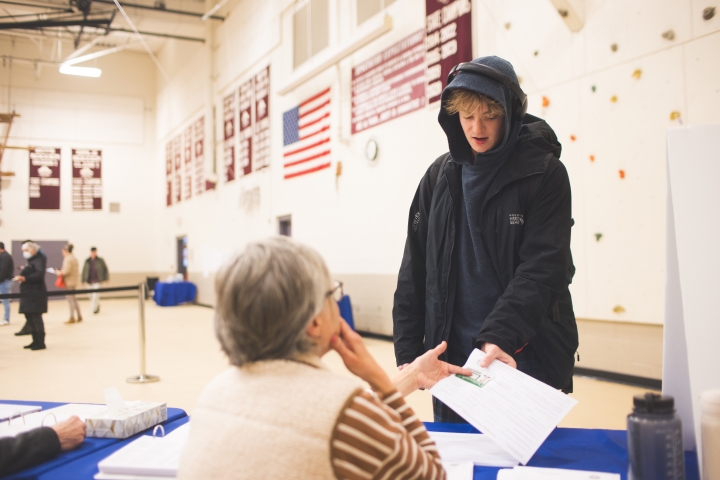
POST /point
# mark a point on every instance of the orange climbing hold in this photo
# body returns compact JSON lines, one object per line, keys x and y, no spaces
{"x":545,"y":101}
{"x":573,"y":137}
{"x":622,"y":173}
{"x":592,"y":158}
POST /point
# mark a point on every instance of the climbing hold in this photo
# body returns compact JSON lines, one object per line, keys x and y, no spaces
{"x":573,"y":137}
{"x":536,"y":52}
{"x":669,"y":35}
{"x":508,"y":25}
{"x":709,"y":13}
{"x":593,"y":88}
{"x":592,"y":158}
{"x":598,"y":236}
{"x":637,"y":74}
{"x":520,"y":80}
{"x":338,"y":169}
{"x":563,"y":13}
{"x":545,"y":101}
{"x":614,"y":47}
{"x":613,"y":99}
{"x":619,"y":309}
{"x":674,"y":115}
{"x":621,"y":173}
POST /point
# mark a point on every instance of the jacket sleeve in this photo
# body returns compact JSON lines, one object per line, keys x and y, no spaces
{"x":66,"y":266}
{"x":85,"y":272}
{"x":542,"y":273}
{"x":409,"y":303}
{"x":28,"y":449}
{"x":36,"y":274}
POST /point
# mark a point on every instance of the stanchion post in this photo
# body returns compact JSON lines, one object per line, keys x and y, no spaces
{"x":143,"y":377}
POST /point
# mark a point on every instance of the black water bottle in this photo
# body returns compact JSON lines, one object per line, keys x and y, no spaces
{"x":655,"y":439}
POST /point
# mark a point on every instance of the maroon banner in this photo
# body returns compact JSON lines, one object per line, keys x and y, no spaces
{"x":261,"y":137}
{"x":168,"y":172}
{"x":199,"y":151}
{"x":187,"y":162}
{"x":177,"y":167}
{"x":390,"y":84}
{"x":229,"y":129}
{"x":44,"y":190}
{"x":448,"y":41}
{"x":87,"y":179}
{"x":245,"y":101}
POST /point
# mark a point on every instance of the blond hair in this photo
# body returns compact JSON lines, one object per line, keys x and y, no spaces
{"x":462,"y":100}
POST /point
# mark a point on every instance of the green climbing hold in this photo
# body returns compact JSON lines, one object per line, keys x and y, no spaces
{"x":598,"y":236}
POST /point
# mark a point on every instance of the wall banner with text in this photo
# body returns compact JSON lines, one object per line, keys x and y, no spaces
{"x":390,"y":84}
{"x":44,"y":190}
{"x":245,"y":101}
{"x":187,"y":162}
{"x":229,"y":136}
{"x":168,"y":173}
{"x":261,"y":130}
{"x":448,"y":41}
{"x":87,"y":179}
{"x":201,"y":184}
{"x":177,"y":167}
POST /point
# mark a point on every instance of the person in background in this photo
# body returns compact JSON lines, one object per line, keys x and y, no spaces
{"x":71,"y":274}
{"x":278,"y":412}
{"x":32,"y":280}
{"x":6,"y":275}
{"x":94,"y":273}
{"x":39,"y":445}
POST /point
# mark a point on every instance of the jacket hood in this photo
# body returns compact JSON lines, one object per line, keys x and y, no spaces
{"x":537,"y":138}
{"x":459,"y":147}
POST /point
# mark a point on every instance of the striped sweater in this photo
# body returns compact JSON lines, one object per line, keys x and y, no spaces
{"x":383,"y":439}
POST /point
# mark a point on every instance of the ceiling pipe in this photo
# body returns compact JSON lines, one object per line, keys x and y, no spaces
{"x":161,"y":10}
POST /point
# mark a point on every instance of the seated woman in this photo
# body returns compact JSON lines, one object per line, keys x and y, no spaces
{"x":278,"y":413}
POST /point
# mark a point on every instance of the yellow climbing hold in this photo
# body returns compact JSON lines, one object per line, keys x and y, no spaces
{"x":613,"y":99}
{"x":637,"y":74}
{"x":674,"y":115}
{"x":619,"y":309}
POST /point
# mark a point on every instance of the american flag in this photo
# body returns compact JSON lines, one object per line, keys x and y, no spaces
{"x":306,"y":136}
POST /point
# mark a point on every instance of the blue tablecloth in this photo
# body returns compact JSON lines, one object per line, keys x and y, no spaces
{"x":88,"y":447}
{"x":575,"y":449}
{"x":171,"y":294}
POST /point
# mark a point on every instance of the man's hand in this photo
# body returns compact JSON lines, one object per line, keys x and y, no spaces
{"x":19,"y":279}
{"x":493,"y":352}
{"x":426,"y":371}
{"x":71,"y":433}
{"x":351,"y":348}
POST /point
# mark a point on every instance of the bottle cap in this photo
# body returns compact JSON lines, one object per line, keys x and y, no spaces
{"x":653,"y":403}
{"x":710,"y":401}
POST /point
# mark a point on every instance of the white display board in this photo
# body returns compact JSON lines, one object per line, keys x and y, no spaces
{"x":692,"y":323}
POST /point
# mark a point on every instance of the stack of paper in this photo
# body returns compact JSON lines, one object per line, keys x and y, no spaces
{"x":146,"y":457}
{"x":49,"y":418}
{"x":458,"y":470}
{"x":474,"y":448}
{"x":535,"y":473}
{"x":514,"y":410}
{"x":8,"y":411}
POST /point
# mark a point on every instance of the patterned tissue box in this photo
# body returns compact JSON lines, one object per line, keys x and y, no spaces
{"x":128,"y":421}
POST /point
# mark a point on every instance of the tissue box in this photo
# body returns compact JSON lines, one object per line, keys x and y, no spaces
{"x":127,"y":421}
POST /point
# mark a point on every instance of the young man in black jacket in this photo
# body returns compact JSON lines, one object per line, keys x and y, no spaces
{"x":487,"y":259}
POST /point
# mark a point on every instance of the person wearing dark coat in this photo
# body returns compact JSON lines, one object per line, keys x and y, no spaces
{"x":39,"y":445}
{"x":487,"y":260}
{"x":32,"y":280}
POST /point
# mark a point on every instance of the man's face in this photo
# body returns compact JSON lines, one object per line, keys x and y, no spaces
{"x":93,"y":255}
{"x":483,"y":129}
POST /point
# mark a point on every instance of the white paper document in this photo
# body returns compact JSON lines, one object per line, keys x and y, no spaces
{"x":536,"y":473}
{"x":513,"y":409}
{"x":48,"y":418}
{"x":147,"y":456}
{"x":475,"y":448}
{"x":12,"y":411}
{"x":458,"y":470}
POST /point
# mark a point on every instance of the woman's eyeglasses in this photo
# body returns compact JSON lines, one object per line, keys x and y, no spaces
{"x":337,"y":291}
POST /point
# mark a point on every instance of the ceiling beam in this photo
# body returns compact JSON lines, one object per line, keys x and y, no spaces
{"x":160,"y":10}
{"x":163,"y":35}
{"x":32,"y":5}
{"x":100,"y":23}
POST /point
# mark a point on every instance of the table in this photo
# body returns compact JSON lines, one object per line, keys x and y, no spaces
{"x":88,"y":447}
{"x":576,"y":449}
{"x":170,"y":294}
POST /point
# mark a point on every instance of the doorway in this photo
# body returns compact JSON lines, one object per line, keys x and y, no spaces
{"x":285,"y":226}
{"x":182,"y":256}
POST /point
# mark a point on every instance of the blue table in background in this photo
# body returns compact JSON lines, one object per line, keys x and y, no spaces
{"x":171,"y":294}
{"x":574,"y":449}
{"x":91,"y":447}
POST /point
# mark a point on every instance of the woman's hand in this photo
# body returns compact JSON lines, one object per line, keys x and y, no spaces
{"x":493,"y":352}
{"x":426,"y":371}
{"x":351,"y":348}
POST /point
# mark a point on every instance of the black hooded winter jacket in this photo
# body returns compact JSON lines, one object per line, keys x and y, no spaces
{"x":526,"y":220}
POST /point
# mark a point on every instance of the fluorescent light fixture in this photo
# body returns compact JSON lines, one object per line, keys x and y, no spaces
{"x":81,"y":71}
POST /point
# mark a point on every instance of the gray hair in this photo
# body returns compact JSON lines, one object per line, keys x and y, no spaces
{"x":266,"y":297}
{"x":31,"y":245}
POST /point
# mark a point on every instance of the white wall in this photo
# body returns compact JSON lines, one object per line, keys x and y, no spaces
{"x":114,"y":113}
{"x":358,"y":220}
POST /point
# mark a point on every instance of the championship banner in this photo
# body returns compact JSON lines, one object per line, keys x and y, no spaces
{"x":261,"y":137}
{"x":199,"y":150}
{"x":168,"y":172}
{"x":390,"y":84}
{"x":187,"y":162}
{"x":87,"y":179}
{"x":245,"y":151}
{"x":448,"y":41}
{"x":229,"y":136}
{"x":44,"y":189}
{"x":177,"y":166}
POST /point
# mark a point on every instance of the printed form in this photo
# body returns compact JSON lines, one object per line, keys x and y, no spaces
{"x":513,"y":409}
